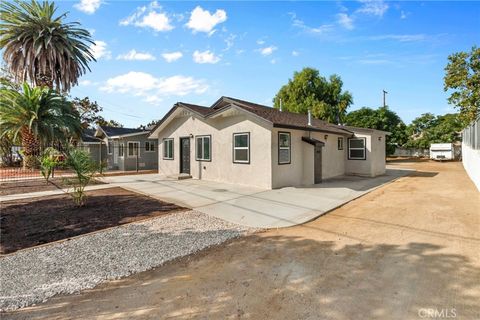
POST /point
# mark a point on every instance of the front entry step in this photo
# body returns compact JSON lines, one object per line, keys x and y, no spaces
{"x":180,"y":176}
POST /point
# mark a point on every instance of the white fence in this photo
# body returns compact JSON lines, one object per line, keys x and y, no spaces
{"x":471,"y":152}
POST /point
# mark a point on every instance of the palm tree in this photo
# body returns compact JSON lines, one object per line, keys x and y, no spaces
{"x":39,"y":115}
{"x":41,"y":48}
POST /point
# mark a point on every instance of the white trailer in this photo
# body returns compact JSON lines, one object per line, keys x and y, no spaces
{"x":442,"y":151}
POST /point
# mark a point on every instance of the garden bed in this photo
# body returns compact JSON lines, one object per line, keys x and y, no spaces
{"x":30,"y":222}
{"x":35,"y":185}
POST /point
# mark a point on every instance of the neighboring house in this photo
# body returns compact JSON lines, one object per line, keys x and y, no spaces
{"x":245,"y":143}
{"x":122,"y":149}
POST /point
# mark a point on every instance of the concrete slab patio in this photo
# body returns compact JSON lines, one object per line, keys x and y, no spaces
{"x":254,"y":207}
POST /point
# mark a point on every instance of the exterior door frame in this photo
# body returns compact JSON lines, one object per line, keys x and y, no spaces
{"x":182,"y":169}
{"x":317,"y":163}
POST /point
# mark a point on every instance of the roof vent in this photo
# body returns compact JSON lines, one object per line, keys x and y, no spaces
{"x":309,"y":117}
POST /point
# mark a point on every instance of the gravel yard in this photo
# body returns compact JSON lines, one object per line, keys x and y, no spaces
{"x":32,"y":276}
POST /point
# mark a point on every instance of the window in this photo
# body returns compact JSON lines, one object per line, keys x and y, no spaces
{"x":149,"y":146}
{"x":356,"y":149}
{"x":241,"y":147}
{"x":133,"y":147}
{"x":204,"y":148}
{"x":110,"y":147}
{"x":340,"y":143}
{"x":284,"y":148}
{"x":121,"y":150}
{"x":168,"y":149}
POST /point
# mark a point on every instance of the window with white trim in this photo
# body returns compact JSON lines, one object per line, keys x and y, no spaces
{"x":168,"y":149}
{"x":340,"y":143}
{"x":356,"y":149}
{"x":241,"y":147}
{"x":121,"y":150}
{"x":149,"y":146}
{"x":133,"y":147}
{"x":203,"y":148}
{"x":110,"y":147}
{"x":284,"y":148}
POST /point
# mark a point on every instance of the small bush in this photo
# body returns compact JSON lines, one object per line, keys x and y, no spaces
{"x":84,"y":168}
{"x":48,"y":162}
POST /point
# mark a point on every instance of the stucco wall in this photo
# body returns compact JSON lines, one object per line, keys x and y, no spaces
{"x":471,"y":163}
{"x":301,"y":169}
{"x":221,"y":167}
{"x":374,"y":164}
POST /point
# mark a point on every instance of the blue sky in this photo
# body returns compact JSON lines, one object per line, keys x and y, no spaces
{"x":153,"y":54}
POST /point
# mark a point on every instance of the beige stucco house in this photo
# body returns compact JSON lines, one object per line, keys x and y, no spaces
{"x":245,"y":143}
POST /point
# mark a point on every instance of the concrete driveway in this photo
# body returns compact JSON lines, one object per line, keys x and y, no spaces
{"x":255,"y":207}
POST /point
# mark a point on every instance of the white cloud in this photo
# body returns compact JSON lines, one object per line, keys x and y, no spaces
{"x":267,"y":50}
{"x":345,"y":21}
{"x":403,"y":15}
{"x":152,"y":89}
{"x":205,"y":57}
{"x":172,"y":56}
{"x":100,"y":51}
{"x":85,"y":83}
{"x":400,"y":37}
{"x":260,"y":42}
{"x":320,"y":30}
{"x":229,"y":41}
{"x":149,"y":17}
{"x":134,"y":55}
{"x":295,"y":53}
{"x":88,"y":6}
{"x":203,"y":21}
{"x":373,"y":7}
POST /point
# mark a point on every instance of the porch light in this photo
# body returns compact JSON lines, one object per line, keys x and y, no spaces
{"x":379,"y":138}
{"x":326,"y":137}
{"x":191,"y":136}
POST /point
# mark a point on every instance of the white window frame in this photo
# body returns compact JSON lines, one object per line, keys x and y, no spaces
{"x":121,"y":146}
{"x":241,"y":148}
{"x":340,"y":143}
{"x":109,"y":147}
{"x":128,"y":149}
{"x":150,"y":145}
{"x":203,"y":138}
{"x":289,"y":148}
{"x":165,"y":147}
{"x":364,"y":149}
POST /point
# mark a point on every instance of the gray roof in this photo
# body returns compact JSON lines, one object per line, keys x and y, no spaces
{"x":115,"y":131}
{"x":88,"y":135}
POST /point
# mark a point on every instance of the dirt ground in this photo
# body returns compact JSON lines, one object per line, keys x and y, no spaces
{"x":31,"y":222}
{"x":408,"y":250}
{"x":35,"y":185}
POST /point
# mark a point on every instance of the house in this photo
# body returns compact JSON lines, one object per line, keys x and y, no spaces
{"x":123,"y":149}
{"x":246,"y":143}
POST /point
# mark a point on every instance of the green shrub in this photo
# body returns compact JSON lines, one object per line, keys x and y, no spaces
{"x":48,"y":162}
{"x":84,"y":168}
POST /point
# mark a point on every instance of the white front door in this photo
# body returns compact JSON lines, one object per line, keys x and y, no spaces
{"x":115,"y":152}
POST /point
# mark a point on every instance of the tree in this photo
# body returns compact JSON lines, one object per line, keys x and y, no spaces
{"x":39,"y":116}
{"x":151,"y":124}
{"x":109,"y":123}
{"x":308,"y":90}
{"x":380,"y":119}
{"x":428,"y":128}
{"x":462,"y":76}
{"x":88,"y":112}
{"x":41,"y":48}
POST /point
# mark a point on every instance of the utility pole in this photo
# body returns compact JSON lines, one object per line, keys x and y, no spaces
{"x":384,"y":101}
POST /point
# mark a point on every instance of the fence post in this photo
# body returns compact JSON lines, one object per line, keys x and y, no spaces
{"x":136,"y":163}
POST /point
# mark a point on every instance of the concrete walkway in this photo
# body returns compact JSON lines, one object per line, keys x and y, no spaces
{"x":254,"y":207}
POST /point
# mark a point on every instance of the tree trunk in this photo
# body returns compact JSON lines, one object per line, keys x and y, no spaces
{"x":31,"y":148}
{"x":44,"y":80}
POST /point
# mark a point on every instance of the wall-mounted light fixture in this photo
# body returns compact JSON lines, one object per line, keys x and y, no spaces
{"x":191,"y":136}
{"x":326,"y":136}
{"x":379,"y":138}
